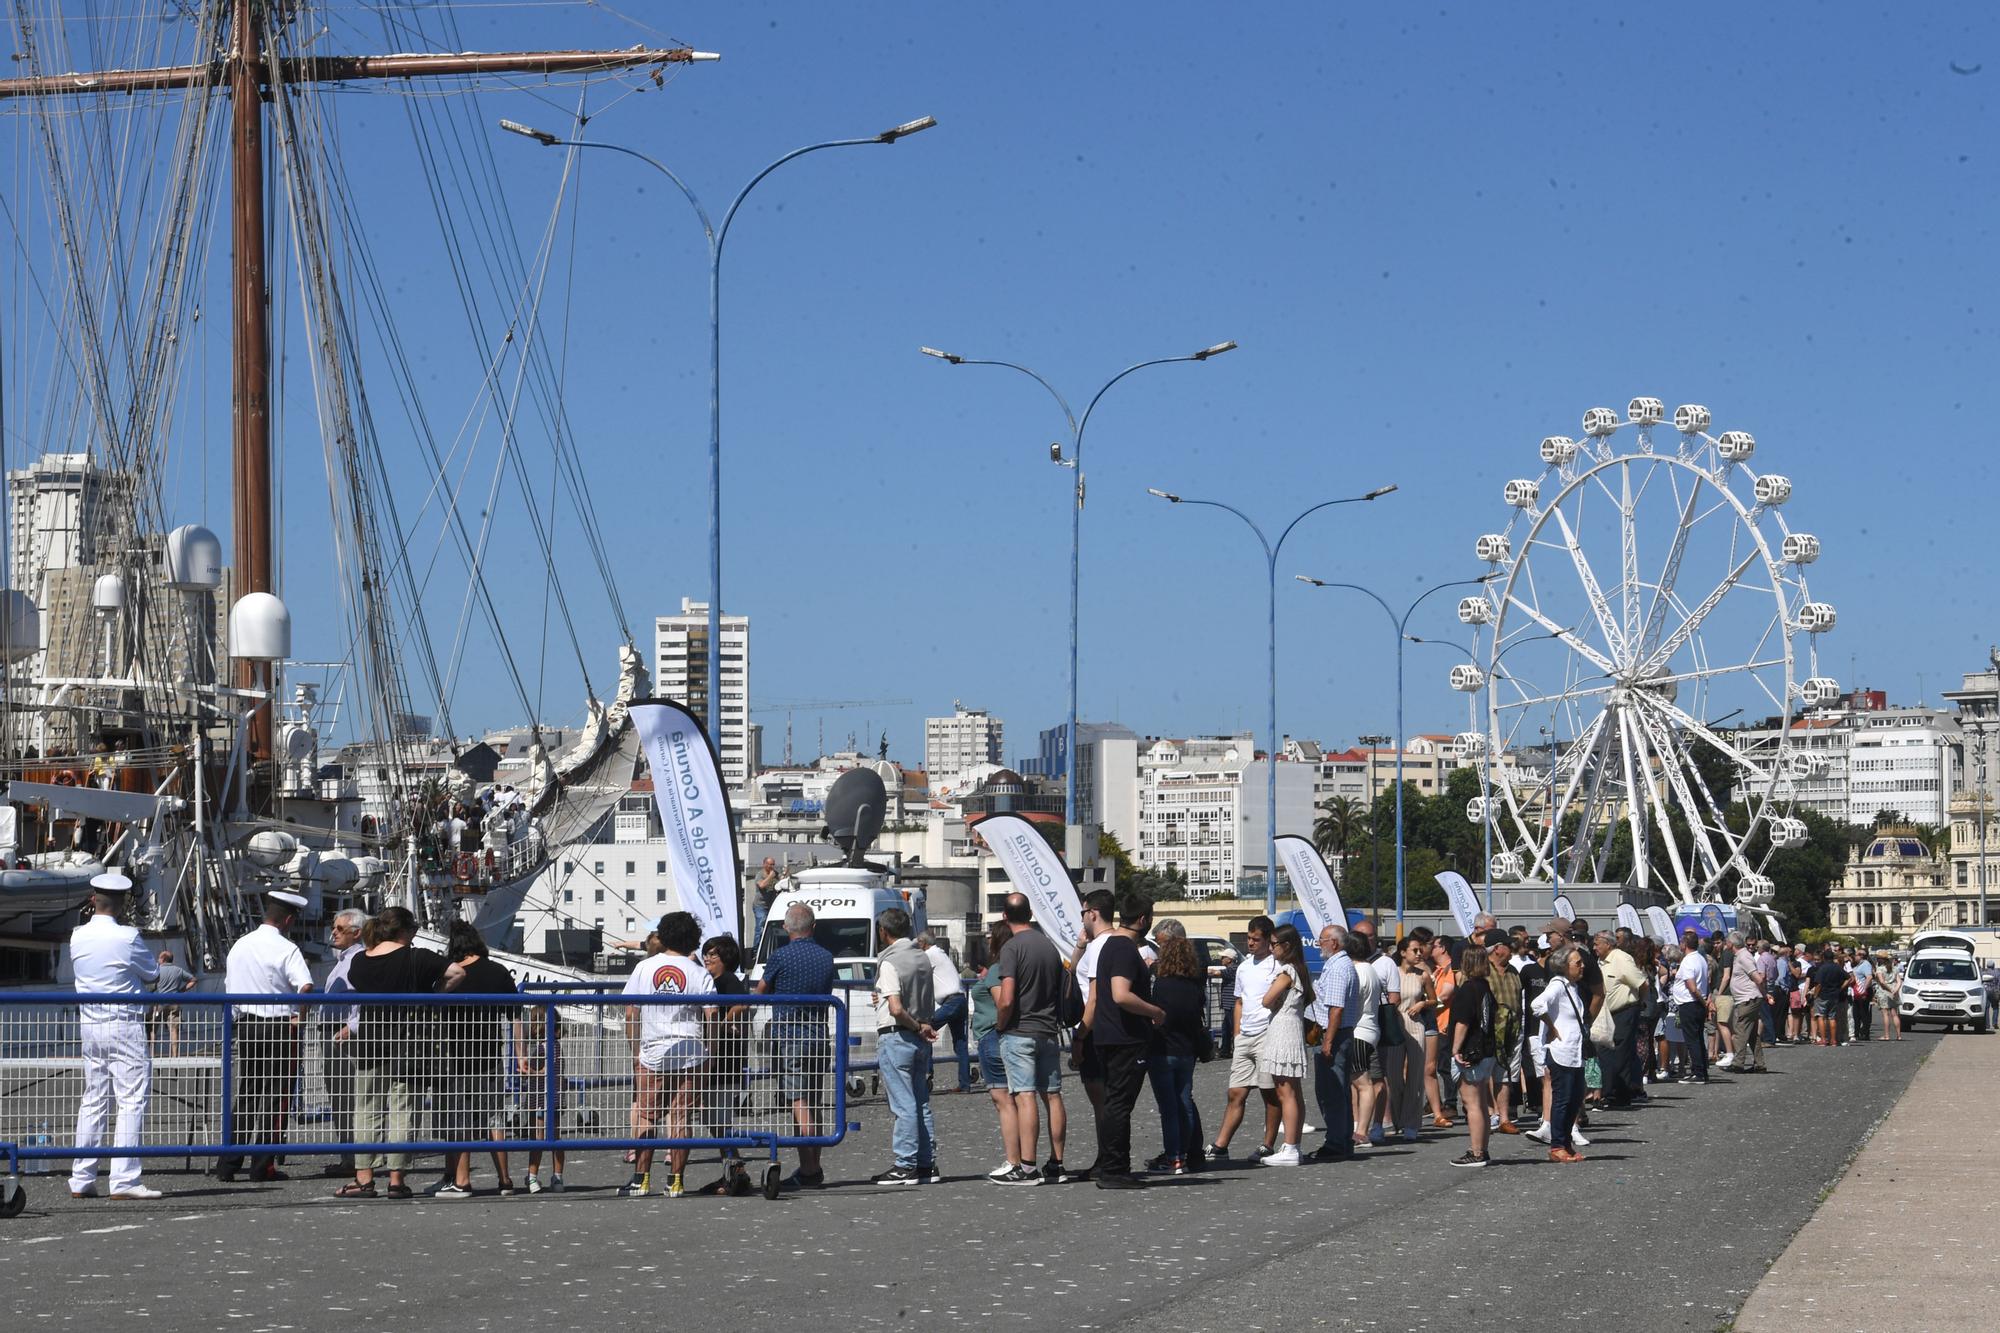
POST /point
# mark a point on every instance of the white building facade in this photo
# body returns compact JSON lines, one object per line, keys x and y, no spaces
{"x":680,"y":662}
{"x":970,"y":736}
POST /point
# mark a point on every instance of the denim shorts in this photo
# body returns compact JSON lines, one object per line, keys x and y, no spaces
{"x":993,"y":1069}
{"x":1481,"y":1072}
{"x":803,"y":1065}
{"x":1030,"y":1064}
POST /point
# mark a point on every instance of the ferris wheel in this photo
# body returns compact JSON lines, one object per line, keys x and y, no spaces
{"x":1645,"y":590}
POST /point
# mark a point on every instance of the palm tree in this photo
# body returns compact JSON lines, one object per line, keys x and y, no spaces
{"x":1335,"y":828}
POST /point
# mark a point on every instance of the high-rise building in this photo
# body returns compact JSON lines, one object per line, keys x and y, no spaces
{"x":680,"y":658}
{"x":953,"y":744}
{"x":65,"y":508}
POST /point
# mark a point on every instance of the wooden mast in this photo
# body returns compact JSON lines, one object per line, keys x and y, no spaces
{"x":250,"y":344}
{"x":251,"y":73}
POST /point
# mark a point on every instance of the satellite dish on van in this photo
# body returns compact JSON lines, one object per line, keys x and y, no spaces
{"x":854,"y":807}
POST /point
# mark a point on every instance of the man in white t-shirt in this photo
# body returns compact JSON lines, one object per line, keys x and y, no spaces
{"x":668,"y":1050}
{"x":1690,"y":1000}
{"x":1254,"y":976}
{"x":1390,"y":1068}
{"x":948,"y":991}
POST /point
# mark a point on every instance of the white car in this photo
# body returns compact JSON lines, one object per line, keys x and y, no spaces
{"x":1942,"y":985}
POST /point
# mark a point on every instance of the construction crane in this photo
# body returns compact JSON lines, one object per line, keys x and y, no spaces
{"x":790,"y":706}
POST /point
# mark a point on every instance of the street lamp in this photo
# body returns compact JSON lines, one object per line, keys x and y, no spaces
{"x":1077,"y":426}
{"x":716,"y":236}
{"x":1398,"y":624}
{"x":1374,"y":743}
{"x":1271,"y":550}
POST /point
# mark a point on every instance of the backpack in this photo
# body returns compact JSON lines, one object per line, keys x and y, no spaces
{"x":1506,"y":986}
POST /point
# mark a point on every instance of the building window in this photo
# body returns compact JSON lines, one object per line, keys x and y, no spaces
{"x":597,"y":896}
{"x":660,"y":895}
{"x":1895,"y":914}
{"x":659,"y":867}
{"x":569,"y":895}
{"x":597,"y":867}
{"x":569,"y":868}
{"x":1841,"y":914}
{"x":1959,"y":870}
{"x":631,"y":867}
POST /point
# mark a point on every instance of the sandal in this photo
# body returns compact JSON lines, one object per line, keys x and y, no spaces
{"x":399,"y":1191}
{"x":354,"y":1189}
{"x":1442,"y":1122}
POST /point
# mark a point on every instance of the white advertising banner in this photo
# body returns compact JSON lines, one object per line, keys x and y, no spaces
{"x":1464,"y":902}
{"x":1659,"y":925}
{"x":1565,"y":908}
{"x":694,"y":813}
{"x":1628,"y":917}
{"x":1312,"y":883}
{"x":1034,"y":869}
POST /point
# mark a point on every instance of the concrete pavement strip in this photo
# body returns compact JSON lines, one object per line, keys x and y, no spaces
{"x":1906,"y":1239}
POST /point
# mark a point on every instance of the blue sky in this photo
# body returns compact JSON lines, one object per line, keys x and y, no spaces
{"x":1438,"y":235}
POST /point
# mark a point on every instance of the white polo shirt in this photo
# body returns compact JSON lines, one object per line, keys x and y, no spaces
{"x":264,"y":962}
{"x":110,"y":959}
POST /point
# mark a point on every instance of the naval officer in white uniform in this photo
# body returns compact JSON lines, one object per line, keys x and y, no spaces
{"x":110,"y":959}
{"x":264,"y":962}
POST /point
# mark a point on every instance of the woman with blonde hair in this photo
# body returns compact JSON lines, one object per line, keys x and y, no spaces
{"x":1473,"y":1014}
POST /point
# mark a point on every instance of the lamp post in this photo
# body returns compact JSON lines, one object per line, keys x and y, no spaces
{"x":1398,"y":624}
{"x":1374,"y":838}
{"x":716,"y":236}
{"x":1077,"y":426}
{"x":1271,"y":550}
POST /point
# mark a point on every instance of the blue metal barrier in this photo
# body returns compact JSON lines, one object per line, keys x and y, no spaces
{"x":738,"y":1076}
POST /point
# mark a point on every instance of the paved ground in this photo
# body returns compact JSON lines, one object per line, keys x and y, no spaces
{"x":1907,"y":1238}
{"x":1669,"y":1225}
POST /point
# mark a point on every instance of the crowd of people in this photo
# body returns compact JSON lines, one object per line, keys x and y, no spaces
{"x":1508,"y":1032}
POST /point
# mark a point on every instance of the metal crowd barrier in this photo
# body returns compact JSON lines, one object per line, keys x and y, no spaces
{"x":372,"y":1075}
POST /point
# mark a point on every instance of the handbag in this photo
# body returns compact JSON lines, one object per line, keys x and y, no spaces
{"x":1603,"y":1028}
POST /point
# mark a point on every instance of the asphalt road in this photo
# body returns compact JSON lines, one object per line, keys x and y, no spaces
{"x":1680,"y":1209}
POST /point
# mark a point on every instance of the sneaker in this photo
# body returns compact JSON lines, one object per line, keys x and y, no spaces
{"x":900,"y":1175}
{"x":1180,"y":1166}
{"x":1492,"y":1122}
{"x":1217,"y":1153}
{"x":1577,"y":1139}
{"x":1018,"y":1175}
{"x":1412,"y":1136}
{"x":1285,"y":1156}
{"x":1002,"y":1171}
{"x":555,"y":1183}
{"x":1328,"y":1152}
{"x":638,"y":1187}
{"x":1261,"y":1151}
{"x":87,"y":1192}
{"x":137,"y":1192}
{"x":1377,"y":1136}
{"x":676,"y":1187}
{"x":1109,"y":1181}
{"x":929,"y":1174}
{"x":534,"y":1183}
{"x":1470,"y":1159}
{"x":1161,"y":1163}
{"x":1726,"y":1062}
{"x":1306,"y":1129}
{"x":1540,"y":1133}
{"x":448,"y":1190}
{"x":803,"y":1179}
{"x":1053,"y":1172}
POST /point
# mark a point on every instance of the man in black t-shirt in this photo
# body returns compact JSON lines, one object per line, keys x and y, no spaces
{"x":1829,"y":982}
{"x":1120,"y":1013}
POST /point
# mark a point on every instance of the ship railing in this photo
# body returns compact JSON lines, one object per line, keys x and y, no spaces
{"x":247,"y":1079}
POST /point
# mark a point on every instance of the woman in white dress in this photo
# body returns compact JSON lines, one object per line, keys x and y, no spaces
{"x":1283,"y":1052}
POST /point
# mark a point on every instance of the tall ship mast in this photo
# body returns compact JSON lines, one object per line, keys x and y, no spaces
{"x":156,"y":717}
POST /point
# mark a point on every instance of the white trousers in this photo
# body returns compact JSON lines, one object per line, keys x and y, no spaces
{"x":116,"y":1064}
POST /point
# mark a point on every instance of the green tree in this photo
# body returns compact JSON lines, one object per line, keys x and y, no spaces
{"x":1338,"y":825}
